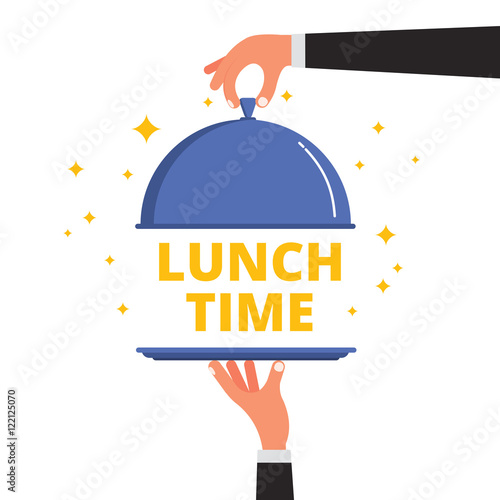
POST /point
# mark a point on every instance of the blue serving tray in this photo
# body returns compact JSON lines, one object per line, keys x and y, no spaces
{"x":244,"y":353}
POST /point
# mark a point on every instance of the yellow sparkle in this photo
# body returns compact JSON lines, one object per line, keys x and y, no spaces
{"x":128,"y":174}
{"x":146,"y":128}
{"x":415,"y":159}
{"x":397,"y":267}
{"x":386,"y":235}
{"x":207,"y":102}
{"x":109,"y":260}
{"x":378,"y":128}
{"x":383,"y":286}
{"x":67,"y":232}
{"x":286,"y":95}
{"x":360,"y":165}
{"x":76,"y":169}
{"x":352,"y":311}
{"x":123,"y":309}
{"x":89,"y":217}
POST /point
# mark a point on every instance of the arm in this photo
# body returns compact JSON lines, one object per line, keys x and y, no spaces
{"x":447,"y":51}
{"x":274,"y":475}
{"x":267,"y":410}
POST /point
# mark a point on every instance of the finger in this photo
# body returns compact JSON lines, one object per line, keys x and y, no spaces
{"x":213,"y":66}
{"x":235,"y":373}
{"x":230,"y":84}
{"x":275,"y":375}
{"x":252,"y":381}
{"x":220,"y":73}
{"x":225,"y":381}
{"x":271,"y":76}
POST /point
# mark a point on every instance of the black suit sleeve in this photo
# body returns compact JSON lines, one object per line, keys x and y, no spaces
{"x":274,"y":481}
{"x":448,"y":51}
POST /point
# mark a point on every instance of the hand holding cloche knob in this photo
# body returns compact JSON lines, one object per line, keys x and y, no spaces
{"x":271,"y":52}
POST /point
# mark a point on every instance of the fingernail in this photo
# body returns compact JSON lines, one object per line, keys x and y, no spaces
{"x":279,"y":367}
{"x":211,"y":370}
{"x":262,"y":101}
{"x":230,"y":103}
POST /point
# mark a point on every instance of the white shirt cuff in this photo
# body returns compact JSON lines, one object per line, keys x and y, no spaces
{"x":299,"y":51}
{"x":274,"y":456}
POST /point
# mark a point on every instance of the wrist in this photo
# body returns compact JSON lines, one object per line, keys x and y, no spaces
{"x":274,"y":446}
{"x":284,"y":49}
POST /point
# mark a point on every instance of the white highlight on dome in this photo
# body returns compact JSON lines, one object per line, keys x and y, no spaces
{"x":324,"y":177}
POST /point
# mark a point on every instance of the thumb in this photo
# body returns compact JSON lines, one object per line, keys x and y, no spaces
{"x":275,"y":375}
{"x":271,"y":76}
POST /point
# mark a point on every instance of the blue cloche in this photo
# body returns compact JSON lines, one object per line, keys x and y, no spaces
{"x":245,"y":173}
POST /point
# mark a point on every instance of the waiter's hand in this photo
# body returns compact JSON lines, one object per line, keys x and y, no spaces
{"x":271,"y":52}
{"x":264,"y":406}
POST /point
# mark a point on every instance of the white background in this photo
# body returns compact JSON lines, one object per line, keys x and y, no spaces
{"x":378,"y":442}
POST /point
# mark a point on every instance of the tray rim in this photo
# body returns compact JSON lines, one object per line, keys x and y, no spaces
{"x":244,"y":353}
